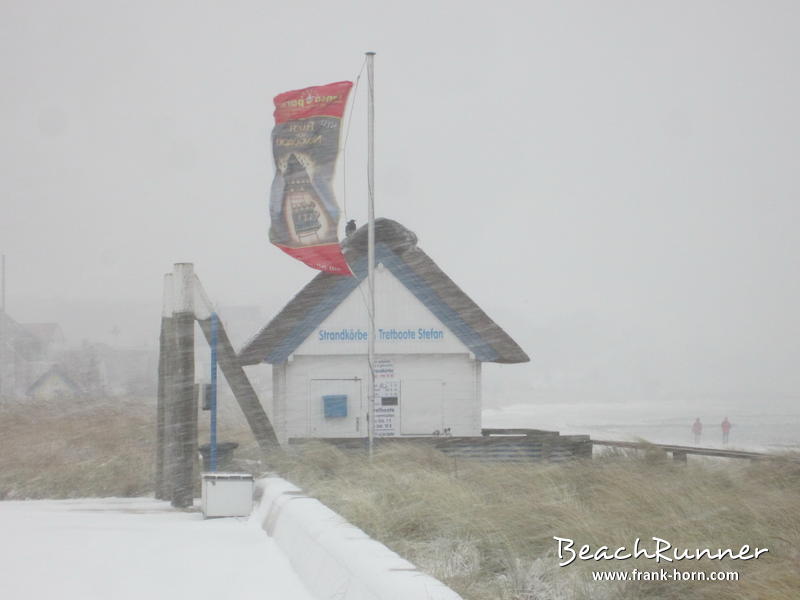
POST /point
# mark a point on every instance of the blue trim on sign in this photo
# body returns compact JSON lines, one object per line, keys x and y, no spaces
{"x":333,"y":298}
{"x":413,"y":282}
{"x":448,"y":316}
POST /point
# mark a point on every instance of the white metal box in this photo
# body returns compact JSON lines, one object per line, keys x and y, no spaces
{"x":227,"y":494}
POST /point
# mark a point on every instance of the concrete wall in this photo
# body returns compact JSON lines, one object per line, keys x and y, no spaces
{"x":334,"y":559}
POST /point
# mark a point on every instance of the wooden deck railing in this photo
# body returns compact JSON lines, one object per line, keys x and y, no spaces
{"x":525,"y":445}
{"x":679,"y":453}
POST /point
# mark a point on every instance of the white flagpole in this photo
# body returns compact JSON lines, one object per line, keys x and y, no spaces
{"x":371,"y":248}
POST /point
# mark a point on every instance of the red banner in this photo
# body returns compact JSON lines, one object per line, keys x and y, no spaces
{"x":305,"y":145}
{"x":320,"y":101}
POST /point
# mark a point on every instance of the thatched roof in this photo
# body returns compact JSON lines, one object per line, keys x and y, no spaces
{"x":395,"y":247}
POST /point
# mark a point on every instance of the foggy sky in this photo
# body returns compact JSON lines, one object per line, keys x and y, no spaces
{"x":615,"y":183}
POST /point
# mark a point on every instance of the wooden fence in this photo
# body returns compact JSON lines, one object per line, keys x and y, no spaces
{"x":504,"y":445}
{"x":533,"y":445}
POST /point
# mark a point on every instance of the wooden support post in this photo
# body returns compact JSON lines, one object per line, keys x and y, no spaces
{"x":235,"y":375}
{"x":184,"y":413}
{"x":171,"y":416}
{"x":546,"y":444}
{"x":164,"y":382}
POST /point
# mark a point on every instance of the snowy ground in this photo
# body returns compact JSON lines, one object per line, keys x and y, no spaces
{"x":757,"y":428}
{"x":136,"y":549}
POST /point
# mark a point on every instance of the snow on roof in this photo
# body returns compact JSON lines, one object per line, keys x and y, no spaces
{"x":395,"y":247}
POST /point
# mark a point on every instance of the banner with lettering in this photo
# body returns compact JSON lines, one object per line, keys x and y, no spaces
{"x":305,"y":144}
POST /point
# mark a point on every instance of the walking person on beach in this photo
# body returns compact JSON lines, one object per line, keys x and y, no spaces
{"x":726,"y":429}
{"x":697,"y":430}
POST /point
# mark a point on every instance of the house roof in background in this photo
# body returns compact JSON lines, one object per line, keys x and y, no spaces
{"x":57,"y":372}
{"x":395,"y":247}
{"x":10,"y":327}
{"x":44,"y":332}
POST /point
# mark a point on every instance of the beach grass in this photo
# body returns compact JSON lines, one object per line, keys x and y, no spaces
{"x":487,"y":529}
{"x":77,"y":449}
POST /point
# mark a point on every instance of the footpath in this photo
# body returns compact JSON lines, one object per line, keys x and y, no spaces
{"x":137,"y":549}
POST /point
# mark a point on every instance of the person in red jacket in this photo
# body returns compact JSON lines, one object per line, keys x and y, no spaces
{"x":697,"y":430}
{"x":726,"y":429}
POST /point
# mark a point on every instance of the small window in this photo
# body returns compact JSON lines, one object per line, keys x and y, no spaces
{"x":389,"y":401}
{"x":335,"y":406}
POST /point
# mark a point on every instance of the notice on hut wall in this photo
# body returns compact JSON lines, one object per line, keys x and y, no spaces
{"x":387,"y":403}
{"x":383,"y":369}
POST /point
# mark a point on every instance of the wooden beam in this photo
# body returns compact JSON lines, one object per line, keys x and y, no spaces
{"x":242,"y":388}
{"x":235,"y":375}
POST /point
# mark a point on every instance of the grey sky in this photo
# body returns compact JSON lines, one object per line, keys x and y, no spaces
{"x":616,"y":183}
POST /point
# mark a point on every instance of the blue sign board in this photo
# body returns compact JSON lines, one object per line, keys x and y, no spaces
{"x":335,"y":406}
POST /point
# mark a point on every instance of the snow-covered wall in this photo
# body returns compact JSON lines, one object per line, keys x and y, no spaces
{"x":335,"y":559}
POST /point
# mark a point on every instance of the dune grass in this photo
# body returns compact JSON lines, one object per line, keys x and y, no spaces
{"x":81,"y":449}
{"x":487,"y":529}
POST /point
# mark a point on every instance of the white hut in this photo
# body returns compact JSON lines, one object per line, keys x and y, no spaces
{"x":430,"y":342}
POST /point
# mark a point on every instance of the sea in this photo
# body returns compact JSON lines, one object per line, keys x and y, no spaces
{"x":760,"y":426}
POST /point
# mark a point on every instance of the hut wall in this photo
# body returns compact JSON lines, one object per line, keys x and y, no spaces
{"x":417,"y":395}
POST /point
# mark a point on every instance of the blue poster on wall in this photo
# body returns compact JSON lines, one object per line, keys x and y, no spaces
{"x":335,"y":406}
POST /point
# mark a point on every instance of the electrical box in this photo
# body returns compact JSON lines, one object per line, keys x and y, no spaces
{"x":227,"y":494}
{"x":202,"y":392}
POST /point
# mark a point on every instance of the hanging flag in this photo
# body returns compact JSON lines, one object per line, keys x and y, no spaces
{"x":305,"y":145}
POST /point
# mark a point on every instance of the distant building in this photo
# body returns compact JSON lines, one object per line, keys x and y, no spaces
{"x":27,"y":351}
{"x":54,"y":384}
{"x":103,"y":370}
{"x":431,"y":340}
{"x":34,"y":362}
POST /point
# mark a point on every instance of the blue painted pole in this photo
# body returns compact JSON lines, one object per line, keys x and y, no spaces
{"x":213,"y":406}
